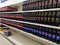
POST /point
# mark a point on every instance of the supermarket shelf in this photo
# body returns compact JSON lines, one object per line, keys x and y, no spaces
{"x":53,"y":9}
{"x":39,"y":39}
{"x":33,"y":23}
{"x":2,"y":27}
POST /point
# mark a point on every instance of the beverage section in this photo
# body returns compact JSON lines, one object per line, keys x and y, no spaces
{"x":45,"y":17}
{"x":40,"y":18}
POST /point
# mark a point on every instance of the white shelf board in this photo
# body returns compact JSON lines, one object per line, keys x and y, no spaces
{"x":53,"y":9}
{"x":55,"y":27}
{"x":39,"y":39}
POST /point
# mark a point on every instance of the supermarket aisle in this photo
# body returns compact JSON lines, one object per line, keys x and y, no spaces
{"x":21,"y":40}
{"x":4,"y":41}
{"x":17,"y":39}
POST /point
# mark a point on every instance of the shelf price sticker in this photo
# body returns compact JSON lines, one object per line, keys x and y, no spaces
{"x":1,"y":29}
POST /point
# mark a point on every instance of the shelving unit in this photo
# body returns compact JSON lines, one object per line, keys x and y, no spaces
{"x":33,"y":37}
{"x":18,"y":39}
{"x":53,"y":9}
{"x":23,"y":30}
{"x":33,"y":23}
{"x":46,"y":41}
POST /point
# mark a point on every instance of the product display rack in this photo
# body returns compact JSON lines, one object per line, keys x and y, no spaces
{"x":33,"y":37}
{"x":43,"y":25}
{"x":38,"y":18}
{"x":33,"y":23}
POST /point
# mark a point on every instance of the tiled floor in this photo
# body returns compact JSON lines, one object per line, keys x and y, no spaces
{"x":21,"y":40}
{"x":4,"y":41}
{"x":17,"y":39}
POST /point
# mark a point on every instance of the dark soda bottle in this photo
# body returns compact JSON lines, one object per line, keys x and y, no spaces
{"x":53,"y":18}
{"x":50,"y":4}
{"x":54,"y":4}
{"x":46,"y":33}
{"x":43,"y":5}
{"x":54,"y":31}
{"x":46,"y":4}
{"x":50,"y":34}
{"x":58,"y":18}
{"x":58,"y":3}
{"x":39,"y":5}
{"x":58,"y":36}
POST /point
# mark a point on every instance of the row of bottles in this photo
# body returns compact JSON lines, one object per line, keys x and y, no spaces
{"x":41,"y":4}
{"x":46,"y":17}
{"x":44,"y":32}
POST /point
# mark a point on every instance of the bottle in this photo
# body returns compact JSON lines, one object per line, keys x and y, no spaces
{"x":43,"y":5}
{"x":58,"y":18}
{"x":37,"y":28}
{"x":46,"y":33}
{"x":50,"y":34}
{"x":54,"y":4}
{"x":53,"y":18}
{"x":40,"y":13}
{"x":36,"y":4}
{"x":39,"y":5}
{"x":31,"y":4}
{"x":54,"y":31}
{"x":58,"y":3}
{"x":58,"y":36}
{"x":45,"y":17}
{"x":43,"y":32}
{"x":48,"y":21}
{"x":40,"y":32}
{"x":55,"y":14}
{"x":36,"y":17}
{"x":46,"y":4}
{"x":39,"y":17}
{"x":50,"y":4}
{"x":35,"y":32}
{"x":57,"y":21}
{"x":42,"y":18}
{"x":35,"y":14}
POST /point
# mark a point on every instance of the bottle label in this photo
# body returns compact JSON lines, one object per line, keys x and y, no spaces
{"x":58,"y":38}
{"x":46,"y":34}
{"x":49,"y":35}
{"x":42,"y":33}
{"x":53,"y":36}
{"x":39,"y":32}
